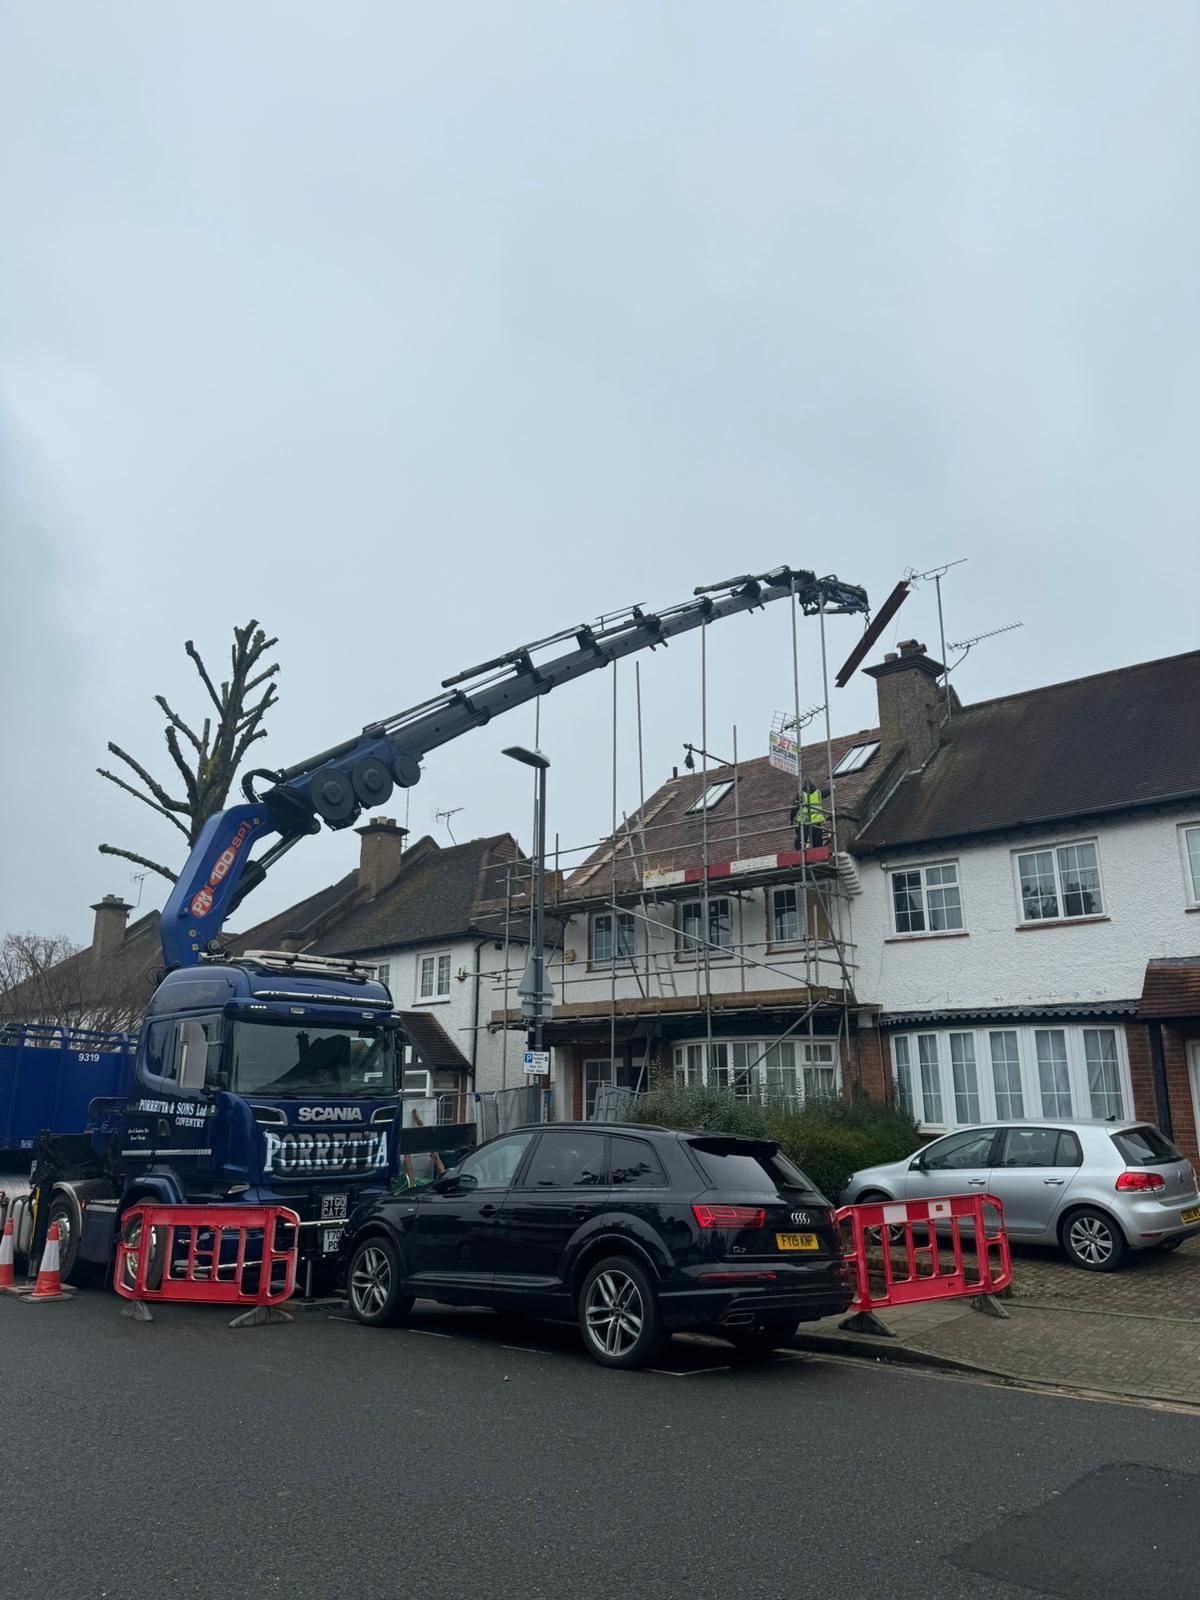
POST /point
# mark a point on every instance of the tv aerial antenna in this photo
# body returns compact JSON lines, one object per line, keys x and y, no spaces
{"x":936,"y":574}
{"x":967,"y":645}
{"x":444,"y":816}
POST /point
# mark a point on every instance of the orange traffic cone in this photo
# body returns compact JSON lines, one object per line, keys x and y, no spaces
{"x":49,"y":1284}
{"x":6,"y":1257}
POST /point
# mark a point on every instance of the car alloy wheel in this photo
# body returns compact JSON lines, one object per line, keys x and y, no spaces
{"x":615,"y":1313}
{"x":370,"y":1281}
{"x":1093,"y":1242}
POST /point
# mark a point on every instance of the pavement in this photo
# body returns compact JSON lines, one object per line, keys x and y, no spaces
{"x":1135,"y":1332}
{"x":478,"y":1456}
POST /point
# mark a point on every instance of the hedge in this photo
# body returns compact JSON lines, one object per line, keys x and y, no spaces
{"x":828,"y":1139}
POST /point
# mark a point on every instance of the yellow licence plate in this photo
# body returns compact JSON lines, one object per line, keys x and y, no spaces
{"x":1184,"y":1216}
{"x":797,"y":1241}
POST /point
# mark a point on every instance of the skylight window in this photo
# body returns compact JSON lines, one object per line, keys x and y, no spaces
{"x":855,"y":758}
{"x":712,"y":796}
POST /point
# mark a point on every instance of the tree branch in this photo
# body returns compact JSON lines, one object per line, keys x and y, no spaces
{"x":141,"y":861}
{"x":244,"y":744}
{"x":203,"y":671}
{"x":155,"y":788}
{"x":145,"y":799}
{"x":253,"y":683}
{"x":189,"y":777}
{"x":173,"y":716}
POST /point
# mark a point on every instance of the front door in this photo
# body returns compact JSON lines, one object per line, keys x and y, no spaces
{"x":1193,"y":1050}
{"x":562,"y":1187}
{"x":1034,"y":1169}
{"x":454,"y":1240}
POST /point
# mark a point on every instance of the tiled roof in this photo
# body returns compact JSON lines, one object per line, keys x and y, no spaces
{"x":435,"y":896}
{"x":758,"y":825}
{"x":1079,"y":1008}
{"x":433,"y":1044}
{"x":1171,"y":988}
{"x":1121,"y":739}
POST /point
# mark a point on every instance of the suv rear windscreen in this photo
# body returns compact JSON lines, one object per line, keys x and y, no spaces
{"x":735,"y":1168}
{"x":1145,"y":1147}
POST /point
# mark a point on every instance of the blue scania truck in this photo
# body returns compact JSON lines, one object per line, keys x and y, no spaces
{"x":273,"y":1077}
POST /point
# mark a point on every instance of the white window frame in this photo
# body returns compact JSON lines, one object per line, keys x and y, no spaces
{"x":905,"y":1041}
{"x":711,"y":795}
{"x":754,"y":1068}
{"x":414,"y":1093}
{"x":686,"y":951}
{"x":1052,"y":851}
{"x":924,"y":868}
{"x":1191,"y":876}
{"x":436,"y":991}
{"x":616,"y":918}
{"x":776,"y":941}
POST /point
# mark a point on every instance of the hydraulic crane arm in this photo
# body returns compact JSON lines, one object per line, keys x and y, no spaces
{"x":337,"y":785}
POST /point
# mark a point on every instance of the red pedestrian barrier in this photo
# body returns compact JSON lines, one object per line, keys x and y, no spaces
{"x":208,"y":1255}
{"x":924,"y":1232}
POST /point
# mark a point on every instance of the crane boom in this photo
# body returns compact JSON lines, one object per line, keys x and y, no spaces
{"x":338,"y":784}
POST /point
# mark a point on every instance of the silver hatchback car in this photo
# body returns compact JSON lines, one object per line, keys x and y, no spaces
{"x":1098,"y":1189}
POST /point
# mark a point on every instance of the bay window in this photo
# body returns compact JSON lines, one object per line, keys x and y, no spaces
{"x":958,"y":1077}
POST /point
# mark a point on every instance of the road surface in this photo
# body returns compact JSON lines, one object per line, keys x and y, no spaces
{"x":479,"y":1457}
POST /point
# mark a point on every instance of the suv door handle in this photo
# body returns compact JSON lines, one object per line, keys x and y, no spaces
{"x":977,"y":1183}
{"x":579,"y":1214}
{"x":1053,"y":1183}
{"x":488,"y":1210}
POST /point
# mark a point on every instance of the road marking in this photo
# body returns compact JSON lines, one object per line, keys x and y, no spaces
{"x":700,"y":1372}
{"x":429,"y":1333}
{"x":528,"y":1350}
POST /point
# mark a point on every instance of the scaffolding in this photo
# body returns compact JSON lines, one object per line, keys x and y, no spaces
{"x":816,"y":971}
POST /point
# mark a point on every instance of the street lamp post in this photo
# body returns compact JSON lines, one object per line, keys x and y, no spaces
{"x":536,"y":999}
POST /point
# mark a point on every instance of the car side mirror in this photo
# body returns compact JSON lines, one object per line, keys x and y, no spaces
{"x":917,"y":1164}
{"x":448,"y":1182}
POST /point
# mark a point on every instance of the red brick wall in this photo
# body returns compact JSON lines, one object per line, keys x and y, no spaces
{"x":874,"y":1070}
{"x":1174,"y":1039}
{"x":1141,"y":1072}
{"x":1182,"y":1113}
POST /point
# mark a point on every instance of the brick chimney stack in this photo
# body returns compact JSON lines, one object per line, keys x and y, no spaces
{"x":380,"y":855}
{"x":108,"y":931}
{"x":911,"y":703}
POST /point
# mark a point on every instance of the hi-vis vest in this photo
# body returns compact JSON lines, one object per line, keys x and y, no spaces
{"x":810,"y":812}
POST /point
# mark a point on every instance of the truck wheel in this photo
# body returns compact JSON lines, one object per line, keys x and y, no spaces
{"x":131,"y":1233}
{"x":63,"y":1212}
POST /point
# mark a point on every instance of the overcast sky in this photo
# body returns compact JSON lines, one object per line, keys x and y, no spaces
{"x":418,"y":330}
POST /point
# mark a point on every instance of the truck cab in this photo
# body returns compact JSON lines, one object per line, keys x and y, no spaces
{"x":273,"y":1078}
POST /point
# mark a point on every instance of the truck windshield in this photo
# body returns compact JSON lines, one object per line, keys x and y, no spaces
{"x":284,"y":1061}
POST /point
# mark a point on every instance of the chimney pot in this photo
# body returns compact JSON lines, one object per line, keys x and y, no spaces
{"x":108,"y":930}
{"x":910,"y":647}
{"x":891,"y":656}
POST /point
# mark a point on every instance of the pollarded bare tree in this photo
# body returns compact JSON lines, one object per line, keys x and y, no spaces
{"x":206,"y":762}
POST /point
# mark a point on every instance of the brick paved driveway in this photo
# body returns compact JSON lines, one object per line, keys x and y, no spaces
{"x":1154,"y":1283}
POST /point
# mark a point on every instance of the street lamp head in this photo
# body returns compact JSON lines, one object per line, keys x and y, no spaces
{"x":530,"y":758}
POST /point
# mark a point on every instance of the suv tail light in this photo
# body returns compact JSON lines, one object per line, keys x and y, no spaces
{"x":729,"y":1216}
{"x":1141,"y":1180}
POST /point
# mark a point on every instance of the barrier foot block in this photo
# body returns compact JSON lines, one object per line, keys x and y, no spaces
{"x":260,"y":1314}
{"x":867,"y":1322}
{"x":138,"y":1311}
{"x":989,"y":1306}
